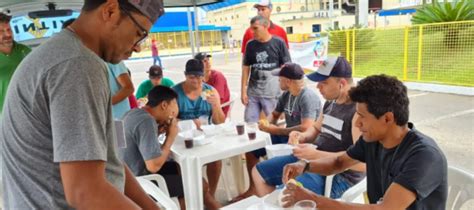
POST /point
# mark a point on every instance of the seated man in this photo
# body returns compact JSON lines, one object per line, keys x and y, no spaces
{"x":405,"y":168}
{"x":155,"y":75}
{"x":300,"y":105}
{"x":199,"y":100}
{"x":143,"y":153}
{"x":215,"y":79}
{"x":334,"y":132}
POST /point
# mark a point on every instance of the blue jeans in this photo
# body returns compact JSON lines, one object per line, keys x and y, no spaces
{"x":272,"y":170}
{"x":157,"y":58}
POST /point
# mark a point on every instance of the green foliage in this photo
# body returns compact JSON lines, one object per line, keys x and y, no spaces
{"x":444,"y":12}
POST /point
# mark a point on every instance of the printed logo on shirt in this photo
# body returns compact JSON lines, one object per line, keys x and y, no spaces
{"x":332,"y":126}
{"x":262,"y":57}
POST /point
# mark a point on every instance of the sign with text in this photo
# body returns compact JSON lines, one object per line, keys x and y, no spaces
{"x":25,"y":28}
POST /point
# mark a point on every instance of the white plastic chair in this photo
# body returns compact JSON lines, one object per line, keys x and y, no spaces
{"x":230,"y":103}
{"x":160,"y":194}
{"x":461,"y":188}
{"x":355,"y":192}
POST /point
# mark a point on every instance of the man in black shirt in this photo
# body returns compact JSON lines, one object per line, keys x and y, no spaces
{"x":405,"y":168}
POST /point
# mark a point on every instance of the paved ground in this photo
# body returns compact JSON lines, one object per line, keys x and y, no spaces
{"x":448,"y":118}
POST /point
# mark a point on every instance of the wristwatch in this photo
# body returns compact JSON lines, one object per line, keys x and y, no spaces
{"x":306,"y":166}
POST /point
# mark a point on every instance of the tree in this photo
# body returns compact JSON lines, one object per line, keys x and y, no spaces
{"x":444,"y":12}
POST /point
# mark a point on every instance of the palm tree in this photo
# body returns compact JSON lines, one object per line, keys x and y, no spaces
{"x":446,"y":12}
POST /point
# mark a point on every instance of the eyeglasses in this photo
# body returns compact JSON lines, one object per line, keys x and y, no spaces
{"x":144,"y":33}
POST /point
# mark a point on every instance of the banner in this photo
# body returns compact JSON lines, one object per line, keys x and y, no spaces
{"x":310,"y":55}
{"x":25,"y":28}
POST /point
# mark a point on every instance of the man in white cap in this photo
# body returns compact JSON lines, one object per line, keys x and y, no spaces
{"x":57,"y":132}
{"x":264,"y":8}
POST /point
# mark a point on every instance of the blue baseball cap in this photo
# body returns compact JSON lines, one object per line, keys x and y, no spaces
{"x":332,"y":67}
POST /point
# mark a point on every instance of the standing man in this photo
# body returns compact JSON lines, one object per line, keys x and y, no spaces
{"x":57,"y":133}
{"x":264,"y":8}
{"x":121,"y":88}
{"x":215,"y":79}
{"x":405,"y":168}
{"x":259,"y":88}
{"x":11,"y":54}
{"x":155,"y":54}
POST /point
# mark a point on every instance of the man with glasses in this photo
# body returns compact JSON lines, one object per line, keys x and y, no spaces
{"x":57,"y":133}
{"x":11,"y":54}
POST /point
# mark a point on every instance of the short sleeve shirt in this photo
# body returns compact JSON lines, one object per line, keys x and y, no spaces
{"x":296,"y":108}
{"x":115,"y":71}
{"x":416,"y":164}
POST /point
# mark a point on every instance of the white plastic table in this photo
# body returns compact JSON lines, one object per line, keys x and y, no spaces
{"x":191,"y":161}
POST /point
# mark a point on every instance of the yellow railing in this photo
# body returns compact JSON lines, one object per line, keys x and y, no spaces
{"x":434,"y":53}
{"x":176,"y":43}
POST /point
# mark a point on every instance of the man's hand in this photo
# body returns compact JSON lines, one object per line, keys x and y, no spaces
{"x":214,"y":99}
{"x":292,"y":170}
{"x":172,"y":129}
{"x":295,"y":137}
{"x":244,"y":98}
{"x":305,"y":151}
{"x":294,"y":193}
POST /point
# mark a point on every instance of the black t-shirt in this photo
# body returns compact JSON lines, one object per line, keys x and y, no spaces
{"x":262,"y":58}
{"x":416,"y":163}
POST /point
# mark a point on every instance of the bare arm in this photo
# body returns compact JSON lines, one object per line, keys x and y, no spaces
{"x":310,"y":134}
{"x":396,"y":198}
{"x":244,"y":83}
{"x":125,"y":90}
{"x":218,"y":115}
{"x":134,"y":191}
{"x":154,"y":165}
{"x":86,"y":187}
{"x":324,"y":166}
{"x":275,"y":130}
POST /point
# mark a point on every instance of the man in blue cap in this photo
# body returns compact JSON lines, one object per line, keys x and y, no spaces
{"x":57,"y":132}
{"x":332,"y":133}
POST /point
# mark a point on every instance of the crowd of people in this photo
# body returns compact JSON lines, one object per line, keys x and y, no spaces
{"x":60,"y":102}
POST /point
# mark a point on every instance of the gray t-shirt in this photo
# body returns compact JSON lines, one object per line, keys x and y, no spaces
{"x":263,"y":58}
{"x":58,"y":109}
{"x":141,"y":134}
{"x":297,"y":108}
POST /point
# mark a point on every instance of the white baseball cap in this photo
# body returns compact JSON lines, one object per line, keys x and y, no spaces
{"x":264,"y":3}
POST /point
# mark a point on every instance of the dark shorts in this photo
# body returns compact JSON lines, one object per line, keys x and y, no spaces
{"x":170,"y":171}
{"x":275,"y":140}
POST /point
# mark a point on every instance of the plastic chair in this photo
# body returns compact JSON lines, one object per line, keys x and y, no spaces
{"x":461,"y":188}
{"x":230,"y":103}
{"x":355,"y":192}
{"x":161,"y":184}
{"x":162,"y":197}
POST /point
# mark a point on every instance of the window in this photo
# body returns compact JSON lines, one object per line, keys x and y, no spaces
{"x":316,"y":28}
{"x":289,"y":30}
